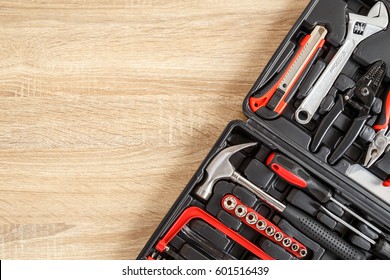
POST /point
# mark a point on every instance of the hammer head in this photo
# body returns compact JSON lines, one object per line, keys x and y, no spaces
{"x":219,"y":168}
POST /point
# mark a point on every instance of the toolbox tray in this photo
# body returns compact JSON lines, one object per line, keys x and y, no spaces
{"x":283,"y":135}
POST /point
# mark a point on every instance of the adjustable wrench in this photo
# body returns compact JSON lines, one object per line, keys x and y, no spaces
{"x":359,"y":28}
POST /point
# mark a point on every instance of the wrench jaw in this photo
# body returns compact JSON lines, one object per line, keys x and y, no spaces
{"x":366,"y":26}
{"x":376,"y":20}
{"x":380,"y":14}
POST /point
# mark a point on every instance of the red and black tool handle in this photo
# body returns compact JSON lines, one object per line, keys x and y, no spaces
{"x":300,"y":247}
{"x":384,"y":117}
{"x":279,"y":98}
{"x":197,"y":213}
{"x":295,"y":175}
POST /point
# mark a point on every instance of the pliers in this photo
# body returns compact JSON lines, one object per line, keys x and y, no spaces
{"x":381,"y":142}
{"x":361,"y":97}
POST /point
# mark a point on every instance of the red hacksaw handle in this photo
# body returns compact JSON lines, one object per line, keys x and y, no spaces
{"x":197,"y":213}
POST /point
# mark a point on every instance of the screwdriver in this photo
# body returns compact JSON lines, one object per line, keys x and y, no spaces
{"x":295,"y":175}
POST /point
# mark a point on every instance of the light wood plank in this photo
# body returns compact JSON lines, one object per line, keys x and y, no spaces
{"x":107,"y":109}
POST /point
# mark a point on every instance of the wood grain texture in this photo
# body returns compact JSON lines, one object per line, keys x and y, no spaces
{"x":108,"y":107}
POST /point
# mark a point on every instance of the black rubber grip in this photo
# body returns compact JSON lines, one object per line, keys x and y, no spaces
{"x":382,"y":248}
{"x":321,"y":235}
{"x":348,"y":139}
{"x":327,"y":123}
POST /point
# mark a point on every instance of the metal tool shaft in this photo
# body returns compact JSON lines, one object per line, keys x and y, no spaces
{"x":344,"y":223}
{"x":357,"y":216}
{"x":274,"y":203}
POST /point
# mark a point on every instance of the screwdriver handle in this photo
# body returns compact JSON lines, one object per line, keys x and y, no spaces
{"x":317,"y":232}
{"x":384,"y":117}
{"x":295,"y":175}
{"x":386,"y":183}
{"x":382,"y":248}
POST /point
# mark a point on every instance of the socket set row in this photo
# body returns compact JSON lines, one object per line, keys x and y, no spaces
{"x":305,"y":178}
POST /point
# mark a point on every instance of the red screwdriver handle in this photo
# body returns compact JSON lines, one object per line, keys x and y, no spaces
{"x":384,"y":117}
{"x":295,"y":175}
{"x":288,"y":170}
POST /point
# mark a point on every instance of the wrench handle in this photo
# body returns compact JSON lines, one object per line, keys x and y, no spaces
{"x":312,"y":102}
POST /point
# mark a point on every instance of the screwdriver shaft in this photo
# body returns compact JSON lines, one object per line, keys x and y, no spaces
{"x":347,"y":225}
{"x":357,"y":216}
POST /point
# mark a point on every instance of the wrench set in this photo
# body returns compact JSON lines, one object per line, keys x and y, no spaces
{"x":306,"y":177}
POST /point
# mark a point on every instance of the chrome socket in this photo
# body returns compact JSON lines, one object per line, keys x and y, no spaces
{"x":261,"y":225}
{"x":295,"y":247}
{"x":287,"y":242}
{"x":270,"y":231}
{"x":240,"y":211}
{"x":229,"y":203}
{"x":251,"y":218}
{"x":278,"y":236}
{"x":303,"y":253}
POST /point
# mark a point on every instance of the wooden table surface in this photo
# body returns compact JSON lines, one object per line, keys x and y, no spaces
{"x":108,"y":107}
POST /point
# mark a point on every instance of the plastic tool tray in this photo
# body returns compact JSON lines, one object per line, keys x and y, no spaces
{"x":306,"y":176}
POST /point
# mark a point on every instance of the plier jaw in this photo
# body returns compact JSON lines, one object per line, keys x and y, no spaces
{"x":378,"y":147}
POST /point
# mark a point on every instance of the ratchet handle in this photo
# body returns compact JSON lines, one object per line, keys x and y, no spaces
{"x":321,"y":235}
{"x":384,"y":117}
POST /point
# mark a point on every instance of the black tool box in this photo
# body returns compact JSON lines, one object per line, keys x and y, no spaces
{"x":306,"y":176}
